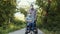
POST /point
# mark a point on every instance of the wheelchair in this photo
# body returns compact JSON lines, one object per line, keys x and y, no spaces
{"x":31,"y":30}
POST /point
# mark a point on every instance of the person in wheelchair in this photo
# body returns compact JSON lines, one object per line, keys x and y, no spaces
{"x":30,"y":22}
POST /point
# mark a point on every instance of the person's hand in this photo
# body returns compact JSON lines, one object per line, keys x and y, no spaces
{"x":29,"y":20}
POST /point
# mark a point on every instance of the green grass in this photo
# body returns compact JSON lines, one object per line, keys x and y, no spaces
{"x":10,"y":28}
{"x":49,"y":32}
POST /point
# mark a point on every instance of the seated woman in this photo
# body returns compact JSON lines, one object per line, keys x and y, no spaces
{"x":30,"y":22}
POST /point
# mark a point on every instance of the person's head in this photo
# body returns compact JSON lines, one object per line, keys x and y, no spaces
{"x":32,"y":7}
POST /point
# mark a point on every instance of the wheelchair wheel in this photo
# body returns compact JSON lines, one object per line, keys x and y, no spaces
{"x":26,"y":32}
{"x":36,"y":31}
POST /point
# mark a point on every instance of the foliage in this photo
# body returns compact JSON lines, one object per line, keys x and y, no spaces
{"x":5,"y":10}
{"x":22,"y":10}
{"x":53,"y":17}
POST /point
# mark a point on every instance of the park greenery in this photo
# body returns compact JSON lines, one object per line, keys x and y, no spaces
{"x":48,"y":16}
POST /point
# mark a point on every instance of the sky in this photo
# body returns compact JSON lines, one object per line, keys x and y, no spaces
{"x":23,"y":3}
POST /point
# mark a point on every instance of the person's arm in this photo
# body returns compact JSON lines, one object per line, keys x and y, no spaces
{"x":28,"y":20}
{"x":35,"y":14}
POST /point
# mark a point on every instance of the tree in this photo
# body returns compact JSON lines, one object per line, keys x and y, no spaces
{"x":7,"y":8}
{"x":52,"y":9}
{"x":22,"y":10}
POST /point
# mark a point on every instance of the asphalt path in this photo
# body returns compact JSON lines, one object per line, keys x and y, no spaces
{"x":22,"y":31}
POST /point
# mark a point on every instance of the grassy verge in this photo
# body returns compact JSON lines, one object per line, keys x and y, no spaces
{"x":50,"y":32}
{"x":10,"y":28}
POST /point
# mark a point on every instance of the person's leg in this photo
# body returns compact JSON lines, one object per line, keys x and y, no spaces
{"x":32,"y":26}
{"x":28,"y":26}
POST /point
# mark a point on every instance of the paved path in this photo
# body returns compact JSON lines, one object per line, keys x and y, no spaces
{"x":22,"y":31}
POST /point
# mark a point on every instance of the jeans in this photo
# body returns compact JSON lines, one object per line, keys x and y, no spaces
{"x":30,"y":26}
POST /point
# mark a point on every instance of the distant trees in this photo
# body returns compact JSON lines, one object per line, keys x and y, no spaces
{"x":22,"y":10}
